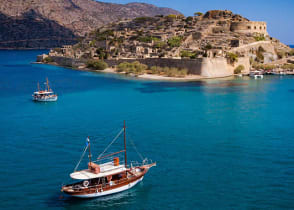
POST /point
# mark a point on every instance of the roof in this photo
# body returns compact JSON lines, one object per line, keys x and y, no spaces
{"x":106,"y":169}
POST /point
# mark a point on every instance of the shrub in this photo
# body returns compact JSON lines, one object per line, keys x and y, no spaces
{"x":48,"y":60}
{"x":291,"y":52}
{"x":160,"y":44}
{"x":97,"y":65}
{"x":170,"y":72}
{"x":143,"y":19}
{"x":263,"y":66}
{"x":187,"y":54}
{"x":101,"y":36}
{"x":239,"y":69}
{"x":208,"y":47}
{"x":259,"y":56}
{"x":171,"y":16}
{"x":281,"y":54}
{"x":102,"y":54}
{"x":147,"y":39}
{"x":288,"y":66}
{"x":261,"y":49}
{"x":183,"y":72}
{"x":134,"y":68}
{"x":259,"y":38}
{"x":198,"y":13}
{"x":189,"y":19}
{"x":232,"y":57}
{"x":156,"y":70}
{"x":175,"y":41}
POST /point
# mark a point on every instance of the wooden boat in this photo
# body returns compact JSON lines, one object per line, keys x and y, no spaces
{"x":105,"y":178}
{"x":45,"y":95}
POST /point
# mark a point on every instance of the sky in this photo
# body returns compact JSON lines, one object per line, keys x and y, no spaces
{"x":279,"y":15}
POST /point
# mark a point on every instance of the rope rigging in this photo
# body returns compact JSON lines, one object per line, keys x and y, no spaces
{"x":111,"y":143}
{"x":115,"y":138}
{"x":134,"y":146}
{"x":81,"y":157}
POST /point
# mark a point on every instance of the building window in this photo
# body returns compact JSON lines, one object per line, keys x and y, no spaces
{"x":254,"y":27}
{"x":249,"y":27}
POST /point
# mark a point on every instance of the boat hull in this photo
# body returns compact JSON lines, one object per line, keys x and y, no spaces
{"x":110,"y":192}
{"x":45,"y":99}
{"x":137,"y":175}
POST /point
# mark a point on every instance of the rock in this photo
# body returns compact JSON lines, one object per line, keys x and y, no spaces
{"x":52,"y":23}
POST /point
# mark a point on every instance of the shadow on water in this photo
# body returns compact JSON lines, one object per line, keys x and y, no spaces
{"x":17,"y":65}
{"x":156,"y":87}
{"x":110,"y":201}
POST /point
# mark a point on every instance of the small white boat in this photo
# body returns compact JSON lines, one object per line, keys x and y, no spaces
{"x":256,"y":74}
{"x":104,"y":178}
{"x":44,"y":95}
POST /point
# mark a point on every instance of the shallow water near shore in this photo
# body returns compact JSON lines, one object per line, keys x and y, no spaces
{"x":219,"y":144}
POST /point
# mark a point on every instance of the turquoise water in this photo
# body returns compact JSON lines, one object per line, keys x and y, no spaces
{"x":219,"y":144}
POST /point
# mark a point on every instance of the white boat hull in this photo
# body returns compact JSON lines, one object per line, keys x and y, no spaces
{"x":45,"y":99}
{"x":109,"y":192}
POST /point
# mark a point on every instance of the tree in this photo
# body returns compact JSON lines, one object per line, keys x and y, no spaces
{"x":132,"y":68}
{"x":96,"y":65}
{"x":198,"y":14}
{"x":208,"y":47}
{"x":239,"y":69}
{"x":232,"y":57}
{"x":47,"y":60}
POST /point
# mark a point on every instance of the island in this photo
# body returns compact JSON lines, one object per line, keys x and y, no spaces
{"x":218,"y":43}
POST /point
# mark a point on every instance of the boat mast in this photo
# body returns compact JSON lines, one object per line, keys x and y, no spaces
{"x":89,"y":145}
{"x":38,"y":87}
{"x":125,"y":144}
{"x":47,"y":84}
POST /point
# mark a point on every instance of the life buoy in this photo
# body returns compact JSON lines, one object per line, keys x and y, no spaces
{"x":86,"y":183}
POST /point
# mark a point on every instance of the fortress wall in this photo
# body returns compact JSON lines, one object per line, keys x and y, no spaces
{"x":215,"y":67}
{"x":245,"y":61}
{"x":67,"y":62}
{"x":249,"y":27}
{"x":206,"y":67}
{"x":193,"y":65}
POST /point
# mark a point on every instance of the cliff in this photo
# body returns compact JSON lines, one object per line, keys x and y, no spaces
{"x":52,"y":23}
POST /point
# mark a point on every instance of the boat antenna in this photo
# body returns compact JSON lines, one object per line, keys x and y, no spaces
{"x":125,"y":144}
{"x":89,"y":146}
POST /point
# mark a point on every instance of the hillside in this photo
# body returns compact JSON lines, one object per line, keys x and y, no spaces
{"x":51,"y":23}
{"x":212,"y":34}
{"x":215,"y":44}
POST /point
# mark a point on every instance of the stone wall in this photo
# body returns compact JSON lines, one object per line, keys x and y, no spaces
{"x":193,"y":65}
{"x":67,"y":62}
{"x":245,"y":61}
{"x":249,"y":27}
{"x":215,"y":67}
{"x":206,"y":67}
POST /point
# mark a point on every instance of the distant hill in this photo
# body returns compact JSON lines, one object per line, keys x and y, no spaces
{"x":52,"y":23}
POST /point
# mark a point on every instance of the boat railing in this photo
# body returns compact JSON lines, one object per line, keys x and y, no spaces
{"x":144,"y":162}
{"x":102,"y":186}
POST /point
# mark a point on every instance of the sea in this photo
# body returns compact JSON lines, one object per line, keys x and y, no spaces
{"x":218,"y":144}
